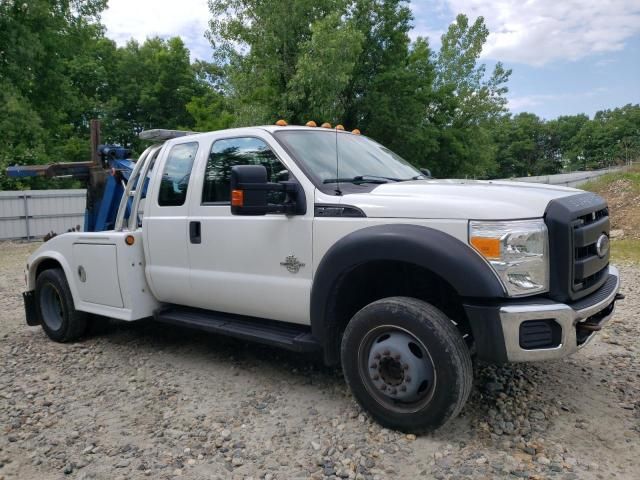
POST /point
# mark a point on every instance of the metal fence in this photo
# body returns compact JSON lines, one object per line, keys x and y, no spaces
{"x":31,"y":214}
{"x":573,"y":179}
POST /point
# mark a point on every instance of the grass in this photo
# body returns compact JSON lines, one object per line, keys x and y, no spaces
{"x":622,"y":192}
{"x":600,"y":184}
{"x":625,"y":250}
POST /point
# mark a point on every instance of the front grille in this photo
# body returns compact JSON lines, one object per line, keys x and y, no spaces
{"x":589,"y":268}
{"x":575,"y":224}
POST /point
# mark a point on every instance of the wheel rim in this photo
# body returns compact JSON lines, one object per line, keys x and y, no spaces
{"x":51,"y":307}
{"x":396,"y":368}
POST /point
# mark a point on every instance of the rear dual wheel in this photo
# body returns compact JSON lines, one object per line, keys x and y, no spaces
{"x":406,"y":364}
{"x":55,"y":308}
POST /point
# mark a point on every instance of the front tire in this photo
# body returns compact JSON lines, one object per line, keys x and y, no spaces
{"x":406,"y":364}
{"x":55,"y":308}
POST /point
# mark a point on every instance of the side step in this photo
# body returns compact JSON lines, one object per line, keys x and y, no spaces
{"x":285,"y":335}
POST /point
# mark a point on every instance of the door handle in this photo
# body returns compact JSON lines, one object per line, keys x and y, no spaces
{"x":195,"y":232}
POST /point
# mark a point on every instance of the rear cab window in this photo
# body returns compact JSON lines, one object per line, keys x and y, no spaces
{"x":174,"y":182}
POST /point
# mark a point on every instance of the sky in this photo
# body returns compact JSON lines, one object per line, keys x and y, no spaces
{"x":567,"y":56}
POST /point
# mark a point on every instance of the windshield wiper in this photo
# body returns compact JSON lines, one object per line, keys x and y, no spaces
{"x":362,"y":179}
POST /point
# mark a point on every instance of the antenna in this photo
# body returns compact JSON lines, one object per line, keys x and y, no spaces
{"x":338,"y":191}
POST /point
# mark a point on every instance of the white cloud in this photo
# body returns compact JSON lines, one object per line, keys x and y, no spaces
{"x":533,"y":32}
{"x":525,"y":103}
{"x":140,"y":19}
{"x":537,"y":32}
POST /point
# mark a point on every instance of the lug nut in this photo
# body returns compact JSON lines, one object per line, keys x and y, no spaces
{"x":377,"y":356}
{"x":386,"y":352}
{"x":405,"y":366}
{"x":374,"y":365}
{"x":393,"y":391}
{"x":397,"y":357}
{"x":407,"y":378}
{"x":383,"y":387}
{"x":376,"y":377}
{"x":403,"y":388}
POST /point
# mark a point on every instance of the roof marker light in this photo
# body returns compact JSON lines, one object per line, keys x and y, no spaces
{"x":326,"y":125}
{"x":356,"y":131}
{"x":282,"y":123}
{"x":339,"y":127}
{"x":311,"y":123}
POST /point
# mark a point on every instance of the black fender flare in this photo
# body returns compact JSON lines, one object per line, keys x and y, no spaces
{"x":442,"y":254}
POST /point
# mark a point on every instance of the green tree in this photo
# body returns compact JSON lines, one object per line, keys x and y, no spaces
{"x":45,"y":46}
{"x":348,"y":62}
{"x":468,"y":102}
{"x":520,"y":146}
{"x":324,"y":68}
{"x":211,"y":110}
{"x":259,"y":44}
{"x":153,"y":84}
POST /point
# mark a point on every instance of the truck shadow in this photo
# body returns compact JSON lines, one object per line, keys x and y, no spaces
{"x":514,"y":400}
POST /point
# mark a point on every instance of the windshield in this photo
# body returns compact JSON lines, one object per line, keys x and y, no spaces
{"x":360,"y":160}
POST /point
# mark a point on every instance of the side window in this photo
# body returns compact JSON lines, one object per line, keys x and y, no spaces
{"x":175,"y":177}
{"x":238,"y":151}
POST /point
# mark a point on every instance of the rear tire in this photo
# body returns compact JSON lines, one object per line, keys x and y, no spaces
{"x":406,"y":364}
{"x":55,"y":308}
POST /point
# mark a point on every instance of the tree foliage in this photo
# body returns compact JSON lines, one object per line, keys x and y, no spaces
{"x":343,"y":61}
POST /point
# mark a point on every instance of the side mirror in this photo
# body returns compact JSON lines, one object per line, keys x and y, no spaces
{"x":250,"y":188}
{"x":426,"y":172}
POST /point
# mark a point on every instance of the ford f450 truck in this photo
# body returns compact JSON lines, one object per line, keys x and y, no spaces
{"x":321,"y":240}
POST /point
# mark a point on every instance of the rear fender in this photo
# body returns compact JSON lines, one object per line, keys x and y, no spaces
{"x":59,"y":250}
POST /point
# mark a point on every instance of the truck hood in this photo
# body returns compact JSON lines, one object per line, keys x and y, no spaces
{"x":458,"y":199}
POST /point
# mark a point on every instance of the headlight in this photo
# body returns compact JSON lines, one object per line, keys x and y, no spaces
{"x":517,"y":251}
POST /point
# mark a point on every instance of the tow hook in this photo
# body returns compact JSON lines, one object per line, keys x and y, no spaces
{"x":620,"y":296}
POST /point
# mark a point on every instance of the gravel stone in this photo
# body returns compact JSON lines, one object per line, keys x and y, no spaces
{"x":162,"y":402}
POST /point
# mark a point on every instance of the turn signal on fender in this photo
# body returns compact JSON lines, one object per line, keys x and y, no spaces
{"x":488,"y":247}
{"x":237,"y":198}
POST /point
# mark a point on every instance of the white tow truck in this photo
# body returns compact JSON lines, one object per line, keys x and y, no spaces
{"x":321,"y":240}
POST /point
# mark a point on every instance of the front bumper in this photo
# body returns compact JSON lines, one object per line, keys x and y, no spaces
{"x":541,"y":329}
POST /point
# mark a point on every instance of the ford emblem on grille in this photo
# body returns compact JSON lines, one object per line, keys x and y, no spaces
{"x":602,"y":246}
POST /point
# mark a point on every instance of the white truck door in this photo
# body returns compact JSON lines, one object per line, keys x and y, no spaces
{"x":250,"y":265}
{"x":165,"y":224}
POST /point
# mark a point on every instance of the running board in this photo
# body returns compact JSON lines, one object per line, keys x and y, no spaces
{"x":285,"y":335}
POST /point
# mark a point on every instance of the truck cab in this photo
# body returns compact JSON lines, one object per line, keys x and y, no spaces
{"x":322,"y":240}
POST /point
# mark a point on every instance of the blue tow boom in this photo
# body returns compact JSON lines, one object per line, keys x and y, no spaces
{"x":105,"y":182}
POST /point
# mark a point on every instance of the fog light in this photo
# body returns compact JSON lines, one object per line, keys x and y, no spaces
{"x":537,"y":334}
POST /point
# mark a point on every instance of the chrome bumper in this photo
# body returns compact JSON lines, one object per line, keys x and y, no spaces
{"x":512,"y":316}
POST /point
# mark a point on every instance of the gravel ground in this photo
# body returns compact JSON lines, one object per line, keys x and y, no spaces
{"x":149,"y":401}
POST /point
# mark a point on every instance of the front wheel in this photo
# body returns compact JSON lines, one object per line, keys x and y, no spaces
{"x":56,"y":311}
{"x":406,"y":364}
